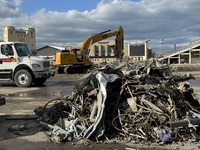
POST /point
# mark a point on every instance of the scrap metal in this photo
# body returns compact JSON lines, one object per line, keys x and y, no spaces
{"x":126,"y":102}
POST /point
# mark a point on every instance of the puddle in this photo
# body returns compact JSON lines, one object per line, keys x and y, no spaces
{"x":195,"y":82}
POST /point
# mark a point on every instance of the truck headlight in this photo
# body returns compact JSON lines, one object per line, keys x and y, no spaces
{"x":36,"y":66}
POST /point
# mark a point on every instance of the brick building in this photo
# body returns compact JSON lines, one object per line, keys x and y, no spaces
{"x":27,"y":35}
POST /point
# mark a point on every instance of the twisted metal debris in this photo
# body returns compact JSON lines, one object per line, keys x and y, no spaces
{"x":127,"y":102}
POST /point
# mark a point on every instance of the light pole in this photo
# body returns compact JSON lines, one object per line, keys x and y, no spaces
{"x":161,"y":42}
{"x":175,"y":47}
{"x":146,"y":49}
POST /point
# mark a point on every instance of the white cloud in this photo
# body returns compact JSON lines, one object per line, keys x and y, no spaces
{"x":9,"y":8}
{"x":177,"y":22}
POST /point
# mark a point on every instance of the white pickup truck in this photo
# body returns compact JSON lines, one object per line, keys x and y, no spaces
{"x":19,"y":65}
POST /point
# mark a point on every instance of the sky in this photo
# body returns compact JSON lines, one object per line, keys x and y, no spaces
{"x":70,"y":22}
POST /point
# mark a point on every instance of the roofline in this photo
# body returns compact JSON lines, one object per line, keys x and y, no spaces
{"x":182,"y":49}
{"x":56,"y":47}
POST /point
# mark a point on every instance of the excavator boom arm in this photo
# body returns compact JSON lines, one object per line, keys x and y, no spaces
{"x":119,"y":33}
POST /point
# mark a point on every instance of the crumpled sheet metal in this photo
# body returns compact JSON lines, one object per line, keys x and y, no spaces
{"x":98,"y":126}
{"x":102,"y":105}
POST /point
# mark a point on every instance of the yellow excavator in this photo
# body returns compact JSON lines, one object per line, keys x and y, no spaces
{"x":77,"y":60}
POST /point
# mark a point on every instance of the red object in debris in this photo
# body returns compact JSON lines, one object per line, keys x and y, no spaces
{"x":2,"y":101}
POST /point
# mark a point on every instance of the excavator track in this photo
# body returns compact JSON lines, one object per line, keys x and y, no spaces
{"x":77,"y":69}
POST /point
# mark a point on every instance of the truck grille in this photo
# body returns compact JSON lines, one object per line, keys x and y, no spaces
{"x":46,"y":64}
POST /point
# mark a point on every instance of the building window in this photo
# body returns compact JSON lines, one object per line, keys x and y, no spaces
{"x":109,"y":51}
{"x":96,"y":50}
{"x":103,"y":50}
{"x":195,"y":54}
{"x":137,"y":50}
{"x":11,"y":32}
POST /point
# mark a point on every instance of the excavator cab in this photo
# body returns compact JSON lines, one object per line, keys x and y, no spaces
{"x":79,"y":56}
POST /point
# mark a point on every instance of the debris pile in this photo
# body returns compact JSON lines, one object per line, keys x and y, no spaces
{"x":125,"y":102}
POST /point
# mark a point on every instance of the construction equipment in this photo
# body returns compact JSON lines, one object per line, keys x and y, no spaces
{"x":77,"y":60}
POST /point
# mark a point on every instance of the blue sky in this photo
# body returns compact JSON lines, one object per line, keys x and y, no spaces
{"x":30,"y":6}
{"x":69,"y":22}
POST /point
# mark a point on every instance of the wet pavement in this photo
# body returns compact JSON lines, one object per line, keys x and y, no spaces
{"x":60,"y":83}
{"x":25,"y":100}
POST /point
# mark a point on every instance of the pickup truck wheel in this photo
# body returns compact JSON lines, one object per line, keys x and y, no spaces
{"x":23,"y":78}
{"x":39,"y":81}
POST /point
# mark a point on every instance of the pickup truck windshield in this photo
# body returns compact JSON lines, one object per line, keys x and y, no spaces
{"x":22,"y":49}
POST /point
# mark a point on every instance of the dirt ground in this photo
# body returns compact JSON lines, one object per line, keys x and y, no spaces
{"x":19,"y":110}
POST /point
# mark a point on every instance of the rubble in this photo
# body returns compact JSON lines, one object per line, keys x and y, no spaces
{"x":125,"y":102}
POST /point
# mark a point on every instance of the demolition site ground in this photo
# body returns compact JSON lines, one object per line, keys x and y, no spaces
{"x":18,"y":113}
